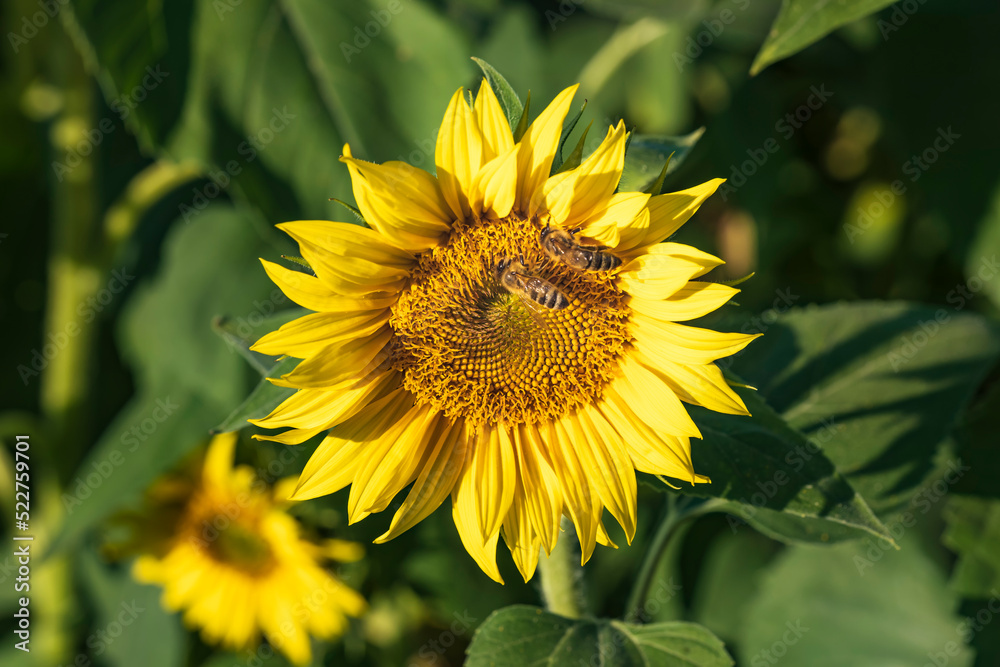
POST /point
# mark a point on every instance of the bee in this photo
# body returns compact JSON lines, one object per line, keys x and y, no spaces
{"x":562,"y":247}
{"x":513,"y":275}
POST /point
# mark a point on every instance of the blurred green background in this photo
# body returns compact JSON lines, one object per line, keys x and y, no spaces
{"x":150,"y":148}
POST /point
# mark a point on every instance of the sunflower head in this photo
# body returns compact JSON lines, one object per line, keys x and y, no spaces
{"x":503,"y":332}
{"x":237,"y":564}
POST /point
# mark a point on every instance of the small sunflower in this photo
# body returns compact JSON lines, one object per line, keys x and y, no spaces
{"x":451,"y":348}
{"x":237,"y":564}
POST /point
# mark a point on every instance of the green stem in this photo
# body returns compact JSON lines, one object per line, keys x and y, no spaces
{"x":562,"y":576}
{"x":679,"y":511}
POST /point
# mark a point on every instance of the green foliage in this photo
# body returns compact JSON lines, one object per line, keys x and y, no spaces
{"x":974,"y":534}
{"x":523,"y":635}
{"x":811,"y":599}
{"x":877,"y":385}
{"x":874,"y":424}
{"x":802,"y":22}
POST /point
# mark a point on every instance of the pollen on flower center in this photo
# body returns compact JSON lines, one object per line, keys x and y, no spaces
{"x":477,"y":351}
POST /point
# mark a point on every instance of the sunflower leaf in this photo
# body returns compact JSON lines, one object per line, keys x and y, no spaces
{"x":508,"y":99}
{"x":521,"y":634}
{"x":802,"y":22}
{"x":855,"y":603}
{"x":646,"y":154}
{"x":264,"y":398}
{"x":775,"y":479}
{"x":878,"y":385}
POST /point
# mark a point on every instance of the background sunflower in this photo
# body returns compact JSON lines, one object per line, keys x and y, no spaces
{"x":153,"y":149}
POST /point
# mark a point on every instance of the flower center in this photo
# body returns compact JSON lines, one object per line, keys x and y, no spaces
{"x":243,"y":548}
{"x":485,"y":349}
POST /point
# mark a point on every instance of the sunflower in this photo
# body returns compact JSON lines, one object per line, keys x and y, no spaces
{"x":440,"y":355}
{"x":237,"y":564}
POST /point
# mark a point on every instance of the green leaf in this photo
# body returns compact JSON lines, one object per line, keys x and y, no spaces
{"x":973,"y":533}
{"x":802,"y":22}
{"x":878,"y":385}
{"x":509,"y":101}
{"x":775,"y":479}
{"x":276,"y":89}
{"x":855,"y":603}
{"x":128,"y":619}
{"x":186,"y":378}
{"x":240,"y":335}
{"x":647,"y":154}
{"x":148,"y":436}
{"x":262,"y":400}
{"x":524,"y":635}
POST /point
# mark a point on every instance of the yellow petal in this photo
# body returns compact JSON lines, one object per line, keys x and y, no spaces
{"x":685,"y":344}
{"x":663,"y":269}
{"x":343,"y":551}
{"x":218,"y":464}
{"x":404,"y":203}
{"x":495,"y":186}
{"x":695,"y":299}
{"x":652,"y":400}
{"x":669,"y":211}
{"x":701,"y":384}
{"x":312,"y":293}
{"x":459,"y":154}
{"x":577,"y":195}
{"x":334,"y":463}
{"x":624,"y":218}
{"x":307,"y":335}
{"x":339,"y":361}
{"x":581,"y":502}
{"x":497,"y":137}
{"x":650,"y":451}
{"x":522,"y":541}
{"x":490,"y":479}
{"x":603,"y":452}
{"x":537,"y":149}
{"x":436,"y":481}
{"x":540,"y":484}
{"x":391,"y":463}
{"x":463,"y":511}
{"x":319,"y":408}
{"x":349,"y":240}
